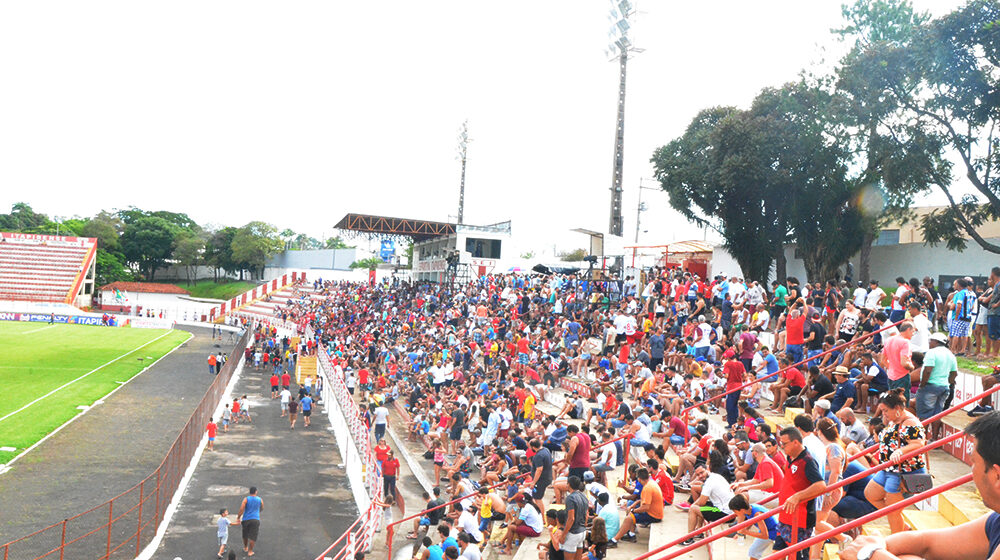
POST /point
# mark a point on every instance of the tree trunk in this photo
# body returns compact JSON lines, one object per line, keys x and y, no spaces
{"x":780,"y":265}
{"x":865,"y":258}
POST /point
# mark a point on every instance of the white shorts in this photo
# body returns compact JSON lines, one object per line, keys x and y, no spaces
{"x":573,"y":541}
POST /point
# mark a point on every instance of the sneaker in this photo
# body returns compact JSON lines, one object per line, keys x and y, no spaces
{"x":631,"y":537}
{"x":687,"y":542}
{"x":979,"y":410}
{"x":682,"y":487}
{"x":612,"y":543}
{"x":684,"y":506}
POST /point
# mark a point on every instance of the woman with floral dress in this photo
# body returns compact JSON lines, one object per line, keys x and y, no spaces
{"x":902,"y":433}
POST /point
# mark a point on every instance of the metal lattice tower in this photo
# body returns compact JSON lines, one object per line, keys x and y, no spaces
{"x":615,"y":225}
{"x":621,"y":12}
{"x":463,"y":147}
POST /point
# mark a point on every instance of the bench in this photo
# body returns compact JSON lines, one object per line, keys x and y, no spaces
{"x":791,"y":413}
{"x":528,"y":549}
{"x":918,"y":520}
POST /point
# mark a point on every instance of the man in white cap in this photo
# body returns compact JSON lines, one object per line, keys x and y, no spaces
{"x":938,"y":373}
{"x":822,"y":410}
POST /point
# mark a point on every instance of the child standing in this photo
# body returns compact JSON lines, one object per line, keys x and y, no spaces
{"x":227,"y":415}
{"x":244,"y":409}
{"x":212,"y":428}
{"x":223,"y":530}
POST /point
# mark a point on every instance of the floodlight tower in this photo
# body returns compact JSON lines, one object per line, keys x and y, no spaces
{"x":620,"y":47}
{"x":463,"y":146}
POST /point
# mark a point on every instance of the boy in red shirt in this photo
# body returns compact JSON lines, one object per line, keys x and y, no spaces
{"x":212,"y":428}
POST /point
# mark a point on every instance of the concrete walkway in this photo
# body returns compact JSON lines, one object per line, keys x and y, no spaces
{"x":307,"y":501}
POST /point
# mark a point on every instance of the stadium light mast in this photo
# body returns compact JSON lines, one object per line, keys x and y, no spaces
{"x":620,"y":15}
{"x":463,"y":147}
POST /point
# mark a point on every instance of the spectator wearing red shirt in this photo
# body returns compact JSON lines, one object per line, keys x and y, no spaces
{"x":662,"y":478}
{"x":735,"y":375}
{"x":802,"y":482}
{"x":791,"y":384}
{"x":275,"y":381}
{"x":766,"y":479}
{"x":286,"y":380}
{"x":794,"y":335}
{"x":390,"y":468}
{"x":212,"y":428}
{"x":898,"y":358}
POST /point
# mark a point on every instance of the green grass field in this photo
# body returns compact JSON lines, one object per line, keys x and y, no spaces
{"x":37,"y":359}
{"x":212,"y":290}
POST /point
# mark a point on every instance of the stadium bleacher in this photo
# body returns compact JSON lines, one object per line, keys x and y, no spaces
{"x":46,"y":268}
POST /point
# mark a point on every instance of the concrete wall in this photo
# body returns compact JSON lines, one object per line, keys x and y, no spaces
{"x":888,"y":262}
{"x":329,"y":259}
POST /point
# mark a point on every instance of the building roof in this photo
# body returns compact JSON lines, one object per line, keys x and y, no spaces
{"x":145,"y":288}
{"x":417,"y":230}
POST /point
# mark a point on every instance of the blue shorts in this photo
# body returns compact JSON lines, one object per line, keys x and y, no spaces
{"x":522,"y":359}
{"x":892,"y":482}
{"x":993,"y":322}
{"x":644,"y":518}
{"x":677,"y":440}
{"x":211,"y":439}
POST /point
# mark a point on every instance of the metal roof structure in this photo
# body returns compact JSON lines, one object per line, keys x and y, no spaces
{"x":694,"y":246}
{"x":384,"y":226}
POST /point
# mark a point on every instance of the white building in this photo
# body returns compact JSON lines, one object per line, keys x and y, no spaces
{"x":479,"y":249}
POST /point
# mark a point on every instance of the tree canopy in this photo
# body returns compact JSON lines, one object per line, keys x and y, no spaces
{"x":827,"y":161}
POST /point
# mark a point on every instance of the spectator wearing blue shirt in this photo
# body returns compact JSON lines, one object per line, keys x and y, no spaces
{"x":845,"y":393}
{"x":763,"y":532}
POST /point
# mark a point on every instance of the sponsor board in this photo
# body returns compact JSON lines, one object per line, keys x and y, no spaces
{"x":57,"y":319}
{"x":148,"y":322}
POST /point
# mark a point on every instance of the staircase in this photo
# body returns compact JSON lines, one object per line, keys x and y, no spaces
{"x":306,"y":369}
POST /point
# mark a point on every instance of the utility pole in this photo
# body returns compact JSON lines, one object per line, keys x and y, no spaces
{"x":463,"y":146}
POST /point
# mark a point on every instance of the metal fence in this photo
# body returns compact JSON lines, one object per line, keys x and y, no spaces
{"x":125,"y":524}
{"x":359,"y":460}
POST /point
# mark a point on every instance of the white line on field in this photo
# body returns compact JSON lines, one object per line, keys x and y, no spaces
{"x":36,"y":330}
{"x":68,"y":383}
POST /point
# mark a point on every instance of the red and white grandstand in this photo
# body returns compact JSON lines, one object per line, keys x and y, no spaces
{"x":47,"y":268}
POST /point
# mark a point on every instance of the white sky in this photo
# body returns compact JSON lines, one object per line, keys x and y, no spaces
{"x":299,"y":112}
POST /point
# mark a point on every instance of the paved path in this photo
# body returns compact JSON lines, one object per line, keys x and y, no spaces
{"x":307,"y":501}
{"x":110,"y":448}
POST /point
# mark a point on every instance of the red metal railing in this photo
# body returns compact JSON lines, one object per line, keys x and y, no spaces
{"x":122,"y":526}
{"x":840,"y":484}
{"x":391,"y":527}
{"x":791,"y":366}
{"x":822,"y":537}
{"x":751,"y":521}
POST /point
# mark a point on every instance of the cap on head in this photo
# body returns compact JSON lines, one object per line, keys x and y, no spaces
{"x":823,"y":403}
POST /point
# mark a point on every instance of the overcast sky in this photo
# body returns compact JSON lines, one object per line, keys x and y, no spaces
{"x":296,"y":113}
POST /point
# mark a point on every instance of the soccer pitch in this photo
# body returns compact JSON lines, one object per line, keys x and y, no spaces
{"x":48,"y":371}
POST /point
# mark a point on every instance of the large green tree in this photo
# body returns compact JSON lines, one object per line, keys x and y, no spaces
{"x":714,"y":175}
{"x":189,"y":251}
{"x":148,"y":243}
{"x":765,"y":176}
{"x":885,"y":180}
{"x":254,"y":244}
{"x":219,"y":251}
{"x":945,"y":85}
